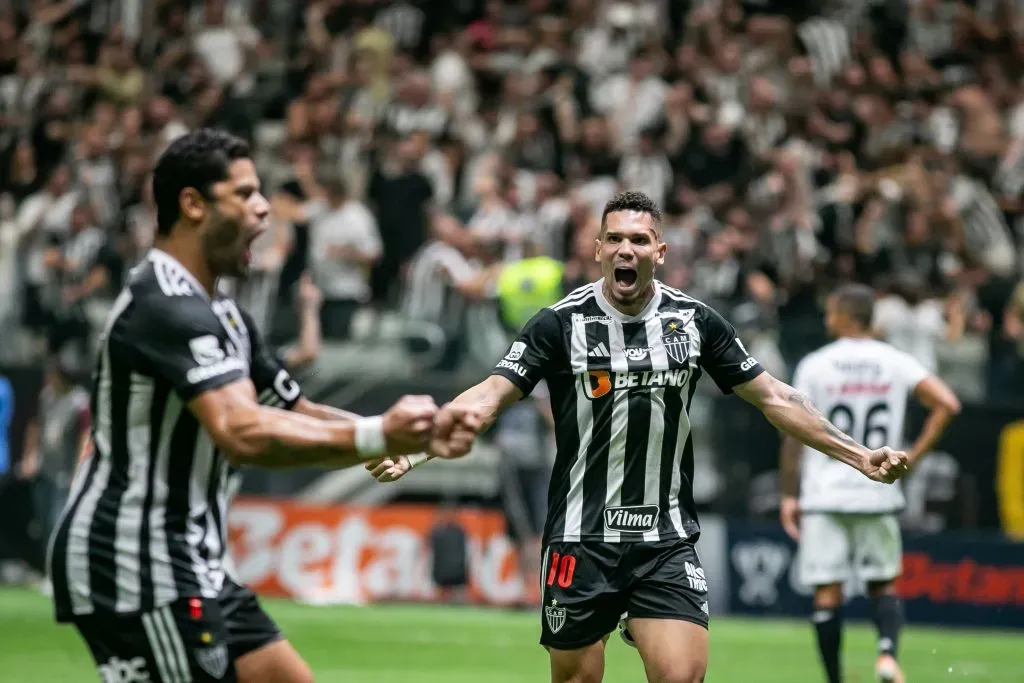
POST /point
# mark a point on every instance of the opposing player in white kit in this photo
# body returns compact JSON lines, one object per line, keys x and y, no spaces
{"x":847,"y":524}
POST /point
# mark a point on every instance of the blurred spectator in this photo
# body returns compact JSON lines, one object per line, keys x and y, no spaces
{"x":792,"y":145}
{"x":345,"y":244}
{"x":53,"y":442}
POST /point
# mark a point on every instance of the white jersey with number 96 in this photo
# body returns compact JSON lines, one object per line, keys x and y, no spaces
{"x":862,"y":387}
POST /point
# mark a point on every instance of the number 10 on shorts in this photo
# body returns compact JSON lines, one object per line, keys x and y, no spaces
{"x":561,"y":569}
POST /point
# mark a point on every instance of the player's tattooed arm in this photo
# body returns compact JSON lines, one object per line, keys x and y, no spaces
{"x":792,"y":412}
{"x":252,"y":434}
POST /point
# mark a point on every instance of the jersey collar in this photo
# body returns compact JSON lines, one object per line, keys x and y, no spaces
{"x":159,"y":255}
{"x":652,"y":306}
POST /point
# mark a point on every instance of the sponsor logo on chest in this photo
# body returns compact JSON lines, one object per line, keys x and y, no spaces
{"x":634,"y":518}
{"x":597,"y":383}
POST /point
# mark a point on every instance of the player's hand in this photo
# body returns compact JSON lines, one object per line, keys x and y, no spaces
{"x":887,"y":465}
{"x":390,"y":468}
{"x":455,"y":429}
{"x":789,"y":515}
{"x":408,"y":424}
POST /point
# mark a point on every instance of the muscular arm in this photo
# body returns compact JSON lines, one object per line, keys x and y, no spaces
{"x":320,"y":411}
{"x":943,"y":406}
{"x":486,"y":400}
{"x":791,"y":412}
{"x":251,"y":434}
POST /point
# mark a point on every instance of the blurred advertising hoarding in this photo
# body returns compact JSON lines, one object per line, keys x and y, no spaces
{"x":347,"y":554}
{"x":968,"y":579}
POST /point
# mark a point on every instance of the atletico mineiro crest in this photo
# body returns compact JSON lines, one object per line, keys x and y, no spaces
{"x":677,"y":342}
{"x":555,"y":616}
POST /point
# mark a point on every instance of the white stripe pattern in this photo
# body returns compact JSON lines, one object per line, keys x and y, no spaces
{"x":199,"y":509}
{"x":656,"y":434}
{"x":77,"y":551}
{"x":128,"y":539}
{"x":620,"y":428}
{"x":167,"y":645}
{"x":585,"y":425}
{"x":164,"y":588}
{"x":575,"y":298}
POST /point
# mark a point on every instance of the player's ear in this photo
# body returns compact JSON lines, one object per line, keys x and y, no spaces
{"x":192,"y":204}
{"x":597,"y":247}
{"x":662,"y":250}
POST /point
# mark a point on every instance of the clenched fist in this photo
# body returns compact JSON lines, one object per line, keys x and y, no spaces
{"x":409,"y":424}
{"x":455,"y":429}
{"x":886,"y":465}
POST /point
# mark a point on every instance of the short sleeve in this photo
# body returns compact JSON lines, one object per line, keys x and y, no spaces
{"x":723,"y":355}
{"x":532,"y":356}
{"x":180,"y":340}
{"x":911,"y":370}
{"x":274,"y":384}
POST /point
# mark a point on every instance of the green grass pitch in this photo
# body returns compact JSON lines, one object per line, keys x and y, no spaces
{"x":399,"y":644}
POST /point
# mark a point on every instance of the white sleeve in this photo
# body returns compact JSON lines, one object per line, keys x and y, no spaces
{"x":911,"y":370}
{"x":802,"y":377}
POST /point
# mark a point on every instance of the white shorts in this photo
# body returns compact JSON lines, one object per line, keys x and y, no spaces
{"x":836,"y":547}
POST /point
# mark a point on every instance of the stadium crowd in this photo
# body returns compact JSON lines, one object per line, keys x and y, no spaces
{"x":411,"y":147}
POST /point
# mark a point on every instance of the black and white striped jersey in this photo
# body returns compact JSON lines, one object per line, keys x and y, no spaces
{"x":145,"y":524}
{"x":620,"y":391}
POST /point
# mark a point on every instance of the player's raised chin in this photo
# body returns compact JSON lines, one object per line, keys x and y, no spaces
{"x":629,"y":249}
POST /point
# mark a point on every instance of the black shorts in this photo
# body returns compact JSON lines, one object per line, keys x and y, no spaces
{"x":192,"y":639}
{"x":589,"y":586}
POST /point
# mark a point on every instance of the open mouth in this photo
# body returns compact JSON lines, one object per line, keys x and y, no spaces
{"x":248,"y":245}
{"x":625,"y":277}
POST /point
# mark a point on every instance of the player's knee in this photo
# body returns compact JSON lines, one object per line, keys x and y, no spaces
{"x":829,"y":596}
{"x":585,"y":665}
{"x":680,"y":672}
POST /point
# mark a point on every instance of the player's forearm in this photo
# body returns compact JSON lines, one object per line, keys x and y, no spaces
{"x":789,"y":466}
{"x":792,"y":413}
{"x":320,"y":411}
{"x":934,"y":426}
{"x":488,"y":398}
{"x":274,"y":438}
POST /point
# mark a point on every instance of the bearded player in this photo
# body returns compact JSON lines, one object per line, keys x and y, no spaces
{"x":184,"y":387}
{"x":622,"y":357}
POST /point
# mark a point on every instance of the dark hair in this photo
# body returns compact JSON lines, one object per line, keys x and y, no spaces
{"x":856,"y":301}
{"x":631,"y":200}
{"x":198,"y":160}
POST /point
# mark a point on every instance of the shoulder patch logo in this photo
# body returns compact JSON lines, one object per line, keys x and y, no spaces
{"x":206,"y":349}
{"x":515,"y":352}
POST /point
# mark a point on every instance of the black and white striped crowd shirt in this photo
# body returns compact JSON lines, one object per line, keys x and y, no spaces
{"x":145,"y":524}
{"x":620,"y":391}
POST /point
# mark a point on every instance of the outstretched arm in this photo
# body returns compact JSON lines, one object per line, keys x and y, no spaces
{"x":791,"y":412}
{"x":453,"y":433}
{"x":252,"y":434}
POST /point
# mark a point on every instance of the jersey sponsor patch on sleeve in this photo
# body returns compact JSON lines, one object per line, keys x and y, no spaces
{"x":206,"y":350}
{"x":515,"y":352}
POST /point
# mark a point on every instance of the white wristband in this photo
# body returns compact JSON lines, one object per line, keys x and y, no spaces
{"x":417,"y":459}
{"x":370,"y":439}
